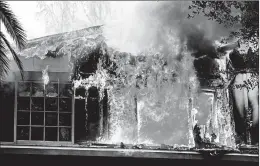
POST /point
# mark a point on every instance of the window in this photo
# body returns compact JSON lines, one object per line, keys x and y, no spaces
{"x":44,"y":112}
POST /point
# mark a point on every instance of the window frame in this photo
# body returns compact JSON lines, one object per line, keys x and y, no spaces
{"x":43,"y":142}
{"x":213,"y":92}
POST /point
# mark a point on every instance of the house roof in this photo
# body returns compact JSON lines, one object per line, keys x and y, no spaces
{"x":68,"y":43}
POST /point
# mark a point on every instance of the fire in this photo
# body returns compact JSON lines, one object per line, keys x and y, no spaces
{"x":99,"y":79}
{"x":45,"y":76}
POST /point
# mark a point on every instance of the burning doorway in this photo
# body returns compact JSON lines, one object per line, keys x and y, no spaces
{"x":91,"y":104}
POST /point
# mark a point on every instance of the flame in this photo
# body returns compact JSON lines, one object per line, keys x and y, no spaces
{"x":45,"y":76}
{"x":98,"y":79}
{"x":158,"y":102}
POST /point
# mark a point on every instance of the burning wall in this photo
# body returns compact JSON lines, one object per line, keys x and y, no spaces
{"x":148,"y":98}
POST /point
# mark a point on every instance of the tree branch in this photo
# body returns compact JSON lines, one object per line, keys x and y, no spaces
{"x":16,"y":58}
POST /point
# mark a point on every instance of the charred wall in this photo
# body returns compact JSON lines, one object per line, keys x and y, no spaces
{"x":7,"y":102}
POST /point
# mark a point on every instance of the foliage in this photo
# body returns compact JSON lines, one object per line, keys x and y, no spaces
{"x":64,"y":16}
{"x":96,"y":11}
{"x":17,"y":33}
{"x":59,"y":16}
{"x":232,"y":14}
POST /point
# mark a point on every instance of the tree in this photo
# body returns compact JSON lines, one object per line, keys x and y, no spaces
{"x":59,"y":16}
{"x":97,"y":12}
{"x":17,"y":33}
{"x":232,"y":14}
{"x":64,"y":16}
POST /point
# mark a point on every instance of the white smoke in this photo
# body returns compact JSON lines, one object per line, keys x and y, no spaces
{"x":159,"y":25}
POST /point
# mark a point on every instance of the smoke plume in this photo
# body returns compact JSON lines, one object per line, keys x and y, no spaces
{"x":164,"y":26}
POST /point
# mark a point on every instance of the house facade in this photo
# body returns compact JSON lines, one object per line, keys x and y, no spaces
{"x":46,"y":108}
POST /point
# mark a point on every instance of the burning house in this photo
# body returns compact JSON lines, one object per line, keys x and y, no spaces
{"x":77,"y":90}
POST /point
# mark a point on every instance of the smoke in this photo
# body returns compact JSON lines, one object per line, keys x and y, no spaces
{"x":164,"y":26}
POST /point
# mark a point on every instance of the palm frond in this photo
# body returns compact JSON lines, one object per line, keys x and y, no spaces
{"x":4,"y":61}
{"x":12,"y":25}
{"x":15,"y":56}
